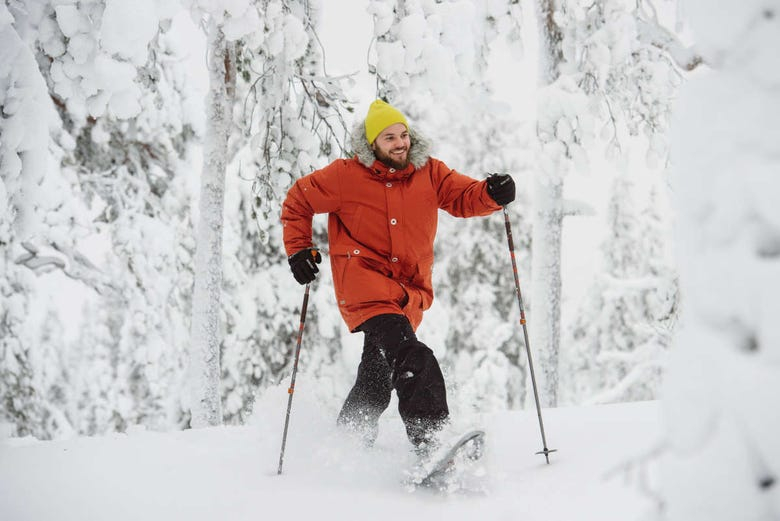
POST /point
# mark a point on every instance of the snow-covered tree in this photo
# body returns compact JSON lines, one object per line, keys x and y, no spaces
{"x":474,"y":279}
{"x":547,"y":216}
{"x":206,"y":406}
{"x":607,"y":68}
{"x":619,"y":339}
{"x":131,"y":136}
{"x":110,"y":79}
{"x":723,"y":383}
{"x":98,"y":405}
{"x":36,"y":210}
{"x":53,"y":377}
{"x":112,"y":71}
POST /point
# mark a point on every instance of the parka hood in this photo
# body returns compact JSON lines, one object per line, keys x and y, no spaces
{"x":419,"y":151}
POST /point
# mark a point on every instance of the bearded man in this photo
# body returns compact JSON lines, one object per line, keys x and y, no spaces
{"x":382,"y":207}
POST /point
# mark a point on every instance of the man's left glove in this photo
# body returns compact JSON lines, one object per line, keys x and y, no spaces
{"x":303,"y":265}
{"x":501,"y":187}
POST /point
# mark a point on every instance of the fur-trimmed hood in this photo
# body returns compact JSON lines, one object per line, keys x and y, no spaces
{"x":419,"y":151}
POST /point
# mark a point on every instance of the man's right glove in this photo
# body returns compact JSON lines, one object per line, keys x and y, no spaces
{"x":303,"y":265}
{"x":501,"y":187}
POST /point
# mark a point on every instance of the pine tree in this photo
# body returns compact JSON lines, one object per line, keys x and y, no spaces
{"x":475,"y":275}
{"x":620,"y":338}
{"x":119,"y":137}
{"x":99,"y":405}
{"x":53,"y":378}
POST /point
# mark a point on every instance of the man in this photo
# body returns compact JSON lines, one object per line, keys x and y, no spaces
{"x":383,"y":207}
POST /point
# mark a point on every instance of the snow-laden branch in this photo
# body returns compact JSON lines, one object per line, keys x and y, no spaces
{"x":44,"y":259}
{"x":635,"y":376}
{"x":650,"y":352}
{"x":634,"y":283}
{"x":577,"y":208}
{"x":653,"y":33}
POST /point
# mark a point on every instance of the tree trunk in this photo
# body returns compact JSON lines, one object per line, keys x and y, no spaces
{"x":547,"y":221}
{"x":206,"y":327}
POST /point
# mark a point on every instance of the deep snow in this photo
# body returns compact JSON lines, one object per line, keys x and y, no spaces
{"x":230,"y":472}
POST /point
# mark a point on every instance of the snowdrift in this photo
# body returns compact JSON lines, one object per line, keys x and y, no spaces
{"x":601,"y":471}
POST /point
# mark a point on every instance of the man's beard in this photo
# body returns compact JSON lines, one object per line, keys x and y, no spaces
{"x":390,"y":161}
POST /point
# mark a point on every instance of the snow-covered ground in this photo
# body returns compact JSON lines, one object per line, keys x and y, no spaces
{"x":230,"y":472}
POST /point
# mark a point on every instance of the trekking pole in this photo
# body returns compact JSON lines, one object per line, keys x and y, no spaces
{"x":291,"y":390}
{"x":545,"y":451}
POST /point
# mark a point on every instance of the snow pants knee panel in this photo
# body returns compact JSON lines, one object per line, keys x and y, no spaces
{"x":422,"y":395}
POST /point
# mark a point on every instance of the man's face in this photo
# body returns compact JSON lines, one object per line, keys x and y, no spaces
{"x":391,"y":146}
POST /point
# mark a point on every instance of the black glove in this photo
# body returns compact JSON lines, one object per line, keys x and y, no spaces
{"x":303,"y":265}
{"x":501,"y":187}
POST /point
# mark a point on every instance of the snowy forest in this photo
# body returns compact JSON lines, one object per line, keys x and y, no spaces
{"x":146,"y":147}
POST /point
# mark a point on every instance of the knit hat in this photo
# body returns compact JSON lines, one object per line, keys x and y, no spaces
{"x":380,"y":116}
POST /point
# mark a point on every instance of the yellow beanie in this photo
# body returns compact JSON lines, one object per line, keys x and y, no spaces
{"x":380,"y":116}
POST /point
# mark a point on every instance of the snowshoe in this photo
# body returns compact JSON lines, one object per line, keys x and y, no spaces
{"x":443,"y":471}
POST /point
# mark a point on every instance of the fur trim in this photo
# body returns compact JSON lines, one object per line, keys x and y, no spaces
{"x":419,"y":151}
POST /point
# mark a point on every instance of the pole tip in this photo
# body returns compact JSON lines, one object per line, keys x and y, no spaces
{"x":546,"y":452}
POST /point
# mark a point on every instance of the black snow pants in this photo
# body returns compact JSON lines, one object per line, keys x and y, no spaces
{"x":393,"y":358}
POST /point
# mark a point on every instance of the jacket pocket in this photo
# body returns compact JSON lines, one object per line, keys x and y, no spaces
{"x":362,"y":280}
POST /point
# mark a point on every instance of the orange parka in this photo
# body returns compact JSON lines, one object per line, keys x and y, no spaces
{"x":381,"y":228}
